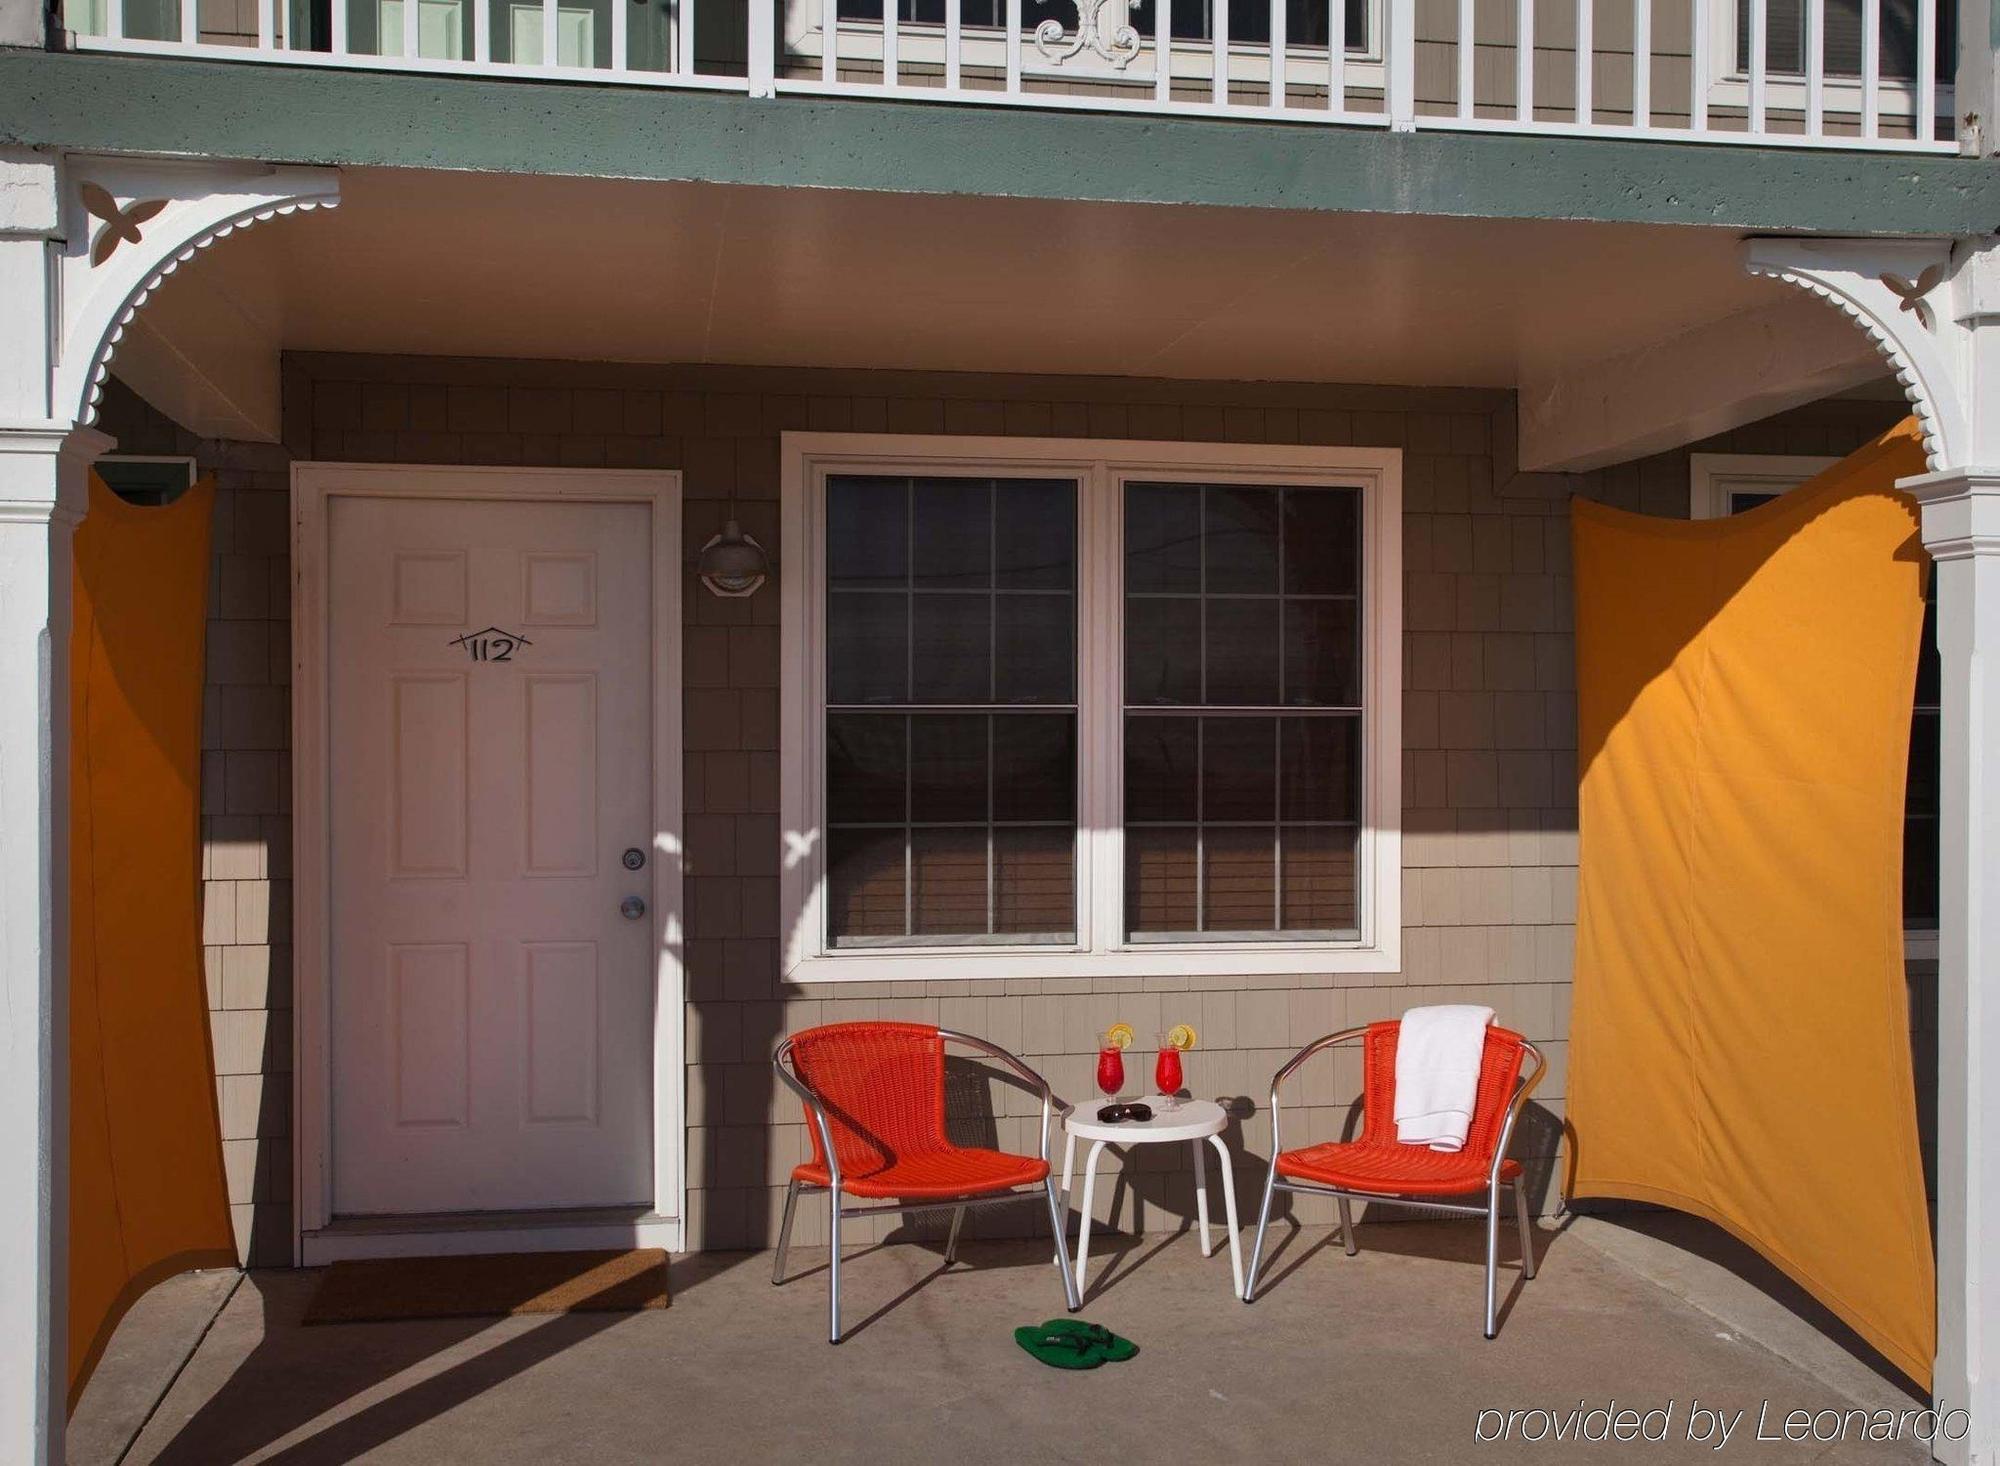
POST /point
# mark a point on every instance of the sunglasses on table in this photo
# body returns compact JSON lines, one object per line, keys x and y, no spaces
{"x":1118,"y":1114}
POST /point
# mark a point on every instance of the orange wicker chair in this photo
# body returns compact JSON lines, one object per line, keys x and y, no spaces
{"x":874,"y":1100}
{"x":1379,"y":1168}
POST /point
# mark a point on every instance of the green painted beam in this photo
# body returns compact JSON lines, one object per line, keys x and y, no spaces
{"x":376,"y":118}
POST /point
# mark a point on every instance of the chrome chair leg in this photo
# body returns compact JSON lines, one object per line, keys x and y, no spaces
{"x":1492,"y":1258}
{"x":833,"y":1266}
{"x":785,"y":1234}
{"x":951,"y":1242}
{"x":1527,"y":1231}
{"x":1070,"y":1295}
{"x":1347,"y":1227}
{"x":1263,"y":1224}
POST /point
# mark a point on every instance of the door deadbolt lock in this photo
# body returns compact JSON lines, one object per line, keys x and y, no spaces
{"x":634,"y":858}
{"x":631,"y":908}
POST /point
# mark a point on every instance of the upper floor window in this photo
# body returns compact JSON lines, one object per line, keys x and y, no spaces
{"x":1785,"y":38}
{"x":1306,"y":21}
{"x":1063,"y":707}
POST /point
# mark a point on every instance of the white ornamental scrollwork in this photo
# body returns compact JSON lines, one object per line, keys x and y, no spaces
{"x":1100,"y":25}
{"x":130,"y":224}
{"x":1901,"y":293}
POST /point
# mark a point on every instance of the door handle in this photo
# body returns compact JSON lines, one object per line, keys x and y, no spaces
{"x":632,"y":908}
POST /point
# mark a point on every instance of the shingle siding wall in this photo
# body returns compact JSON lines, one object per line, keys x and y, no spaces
{"x":1489,"y":761}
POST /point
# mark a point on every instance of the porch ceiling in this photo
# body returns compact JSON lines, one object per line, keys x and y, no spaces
{"x":469,"y":264}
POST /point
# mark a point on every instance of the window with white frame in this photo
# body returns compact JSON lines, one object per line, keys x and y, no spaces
{"x":145,"y":478}
{"x":1896,"y":38}
{"x":1062,"y":707}
{"x":1312,"y":30}
{"x":1721,"y":484}
{"x":1787,"y":57}
{"x":1307,"y":22}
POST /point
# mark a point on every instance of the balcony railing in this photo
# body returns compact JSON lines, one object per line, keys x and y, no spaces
{"x":1785,"y":73}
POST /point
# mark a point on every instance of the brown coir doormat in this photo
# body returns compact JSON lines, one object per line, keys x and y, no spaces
{"x":495,"y":1283}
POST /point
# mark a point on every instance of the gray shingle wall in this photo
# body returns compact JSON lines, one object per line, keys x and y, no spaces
{"x":1489,"y":775}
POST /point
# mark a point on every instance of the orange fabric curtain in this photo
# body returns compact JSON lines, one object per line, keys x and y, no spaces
{"x":1739,"y":1041}
{"x":147,"y":1196}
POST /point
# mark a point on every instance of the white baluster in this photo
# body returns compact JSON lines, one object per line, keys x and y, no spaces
{"x":1642,"y":62}
{"x":1815,"y":67}
{"x":1759,"y":46}
{"x":1278,"y":18}
{"x":1524,"y":60}
{"x":1468,"y":51}
{"x":1698,"y":74}
{"x":1586,"y":59}
{"x":1871,"y":68}
{"x":761,"y":70}
{"x":1219,"y":51}
{"x":1402,"y":78}
{"x":1926,"y":118}
{"x":1336,"y":55}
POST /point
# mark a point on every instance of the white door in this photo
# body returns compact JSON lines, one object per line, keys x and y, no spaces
{"x":489,"y":728}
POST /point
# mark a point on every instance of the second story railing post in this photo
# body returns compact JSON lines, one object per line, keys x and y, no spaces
{"x":1974,"y":83}
{"x":1400,"y":75}
{"x":763,"y":42}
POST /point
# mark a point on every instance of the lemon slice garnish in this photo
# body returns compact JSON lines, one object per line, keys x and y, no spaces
{"x":1119,"y":1036}
{"x":1181,"y":1036}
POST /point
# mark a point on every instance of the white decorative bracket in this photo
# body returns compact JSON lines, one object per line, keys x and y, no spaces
{"x":127,"y":224}
{"x":1919,"y":301}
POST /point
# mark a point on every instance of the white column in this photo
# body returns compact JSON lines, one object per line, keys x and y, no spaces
{"x":1961,"y":528}
{"x":42,"y":481}
{"x":1933,"y":308}
{"x":43,"y":466}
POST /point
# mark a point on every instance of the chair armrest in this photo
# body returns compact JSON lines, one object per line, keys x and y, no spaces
{"x":1523,"y":1087}
{"x":1291,"y":1067}
{"x":780,"y":1065}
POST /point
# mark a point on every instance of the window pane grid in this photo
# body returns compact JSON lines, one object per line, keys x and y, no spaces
{"x":951,"y":722}
{"x":1242,"y":811}
{"x":1785,"y":39}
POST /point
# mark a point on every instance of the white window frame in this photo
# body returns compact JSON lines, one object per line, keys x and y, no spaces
{"x":1729,"y":84}
{"x":186,"y":461}
{"x":1101,"y":467}
{"x":1712,"y":478}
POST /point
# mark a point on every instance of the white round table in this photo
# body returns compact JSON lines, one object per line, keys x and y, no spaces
{"x":1192,"y":1121}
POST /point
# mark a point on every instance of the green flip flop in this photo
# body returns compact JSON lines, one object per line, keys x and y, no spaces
{"x":1071,"y":1343}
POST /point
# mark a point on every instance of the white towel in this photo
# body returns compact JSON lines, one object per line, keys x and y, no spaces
{"x":1438,"y":1053}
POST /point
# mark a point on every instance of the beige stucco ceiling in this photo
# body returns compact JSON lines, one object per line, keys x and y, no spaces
{"x":480,"y":265}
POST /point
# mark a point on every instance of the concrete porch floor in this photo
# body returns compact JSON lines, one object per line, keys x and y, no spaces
{"x":1373,"y":1358}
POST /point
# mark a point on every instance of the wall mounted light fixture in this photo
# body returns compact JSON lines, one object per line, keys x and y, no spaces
{"x":733,"y":564}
